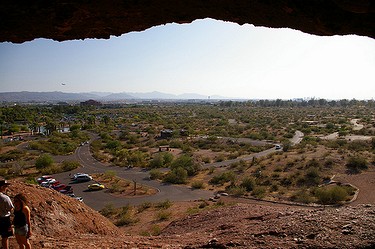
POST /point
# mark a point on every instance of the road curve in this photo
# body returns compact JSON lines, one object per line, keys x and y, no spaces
{"x":98,"y":199}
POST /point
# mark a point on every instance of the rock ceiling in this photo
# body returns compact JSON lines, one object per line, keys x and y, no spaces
{"x":61,"y":20}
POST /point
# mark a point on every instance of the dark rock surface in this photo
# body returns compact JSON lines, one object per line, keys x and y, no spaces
{"x":22,"y":21}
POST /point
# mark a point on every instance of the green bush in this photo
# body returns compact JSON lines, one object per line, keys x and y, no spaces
{"x":187,"y":163}
{"x":331,"y":195}
{"x":223,"y":178}
{"x":248,"y":183}
{"x":197,"y":185}
{"x":53,"y":169}
{"x":356,"y":164}
{"x":31,"y":180}
{"x":144,"y":206}
{"x":163,"y":215}
{"x":176,"y":176}
{"x":43,"y":161}
{"x":70,"y":165}
{"x":155,"y":174}
{"x":303,"y":196}
{"x":125,"y":220}
{"x":259,"y":192}
{"x":164,"y":204}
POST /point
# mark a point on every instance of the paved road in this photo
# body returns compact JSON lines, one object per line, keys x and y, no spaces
{"x":98,"y":199}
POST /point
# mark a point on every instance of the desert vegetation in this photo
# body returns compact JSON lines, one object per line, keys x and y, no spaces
{"x":180,"y":143}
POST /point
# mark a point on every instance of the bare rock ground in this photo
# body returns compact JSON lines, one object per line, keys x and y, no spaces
{"x":61,"y":222}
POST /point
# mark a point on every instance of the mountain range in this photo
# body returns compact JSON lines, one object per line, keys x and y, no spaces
{"x":26,"y":96}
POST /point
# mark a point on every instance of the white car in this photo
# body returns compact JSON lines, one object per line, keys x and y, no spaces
{"x":77,"y":174}
{"x":82,"y":178}
{"x":48,"y":182}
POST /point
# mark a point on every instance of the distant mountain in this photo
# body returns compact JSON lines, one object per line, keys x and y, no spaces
{"x":44,"y":96}
{"x":153,"y":95}
{"x":117,"y":96}
{"x":191,"y":96}
{"x":98,"y":96}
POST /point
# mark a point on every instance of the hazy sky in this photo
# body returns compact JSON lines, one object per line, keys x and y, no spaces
{"x":207,"y":57}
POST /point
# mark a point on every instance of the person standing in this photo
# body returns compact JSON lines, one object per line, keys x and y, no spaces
{"x":6,"y":207}
{"x":21,"y":221}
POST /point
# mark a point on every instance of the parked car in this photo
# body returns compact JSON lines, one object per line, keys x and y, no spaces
{"x":78,"y":198}
{"x":96,"y":186}
{"x":49,"y":182}
{"x":67,"y":190}
{"x":277,"y":146}
{"x":76,"y":175}
{"x":59,"y":187}
{"x":43,"y":178}
{"x":82,"y":178}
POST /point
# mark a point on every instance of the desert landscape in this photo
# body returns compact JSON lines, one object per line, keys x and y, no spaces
{"x":213,"y":184}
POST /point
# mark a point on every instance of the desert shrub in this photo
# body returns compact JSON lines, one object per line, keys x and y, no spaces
{"x":3,"y":172}
{"x":126,"y":219}
{"x":30,"y":180}
{"x":163,"y":204}
{"x":356,"y":164}
{"x":187,"y":163}
{"x":203,"y":204}
{"x":156,"y":162}
{"x":312,"y":177}
{"x":329,"y":162}
{"x":358,"y":146}
{"x":331,"y":195}
{"x":163,"y":215}
{"x":108,"y":210}
{"x":43,"y":161}
{"x":274,"y":188}
{"x":223,"y":178}
{"x":197,"y":185}
{"x":50,"y":170}
{"x":11,"y":155}
{"x":248,"y":183}
{"x":115,"y":188}
{"x":109,"y":174}
{"x":155,"y":231}
{"x":144,"y":206}
{"x":302,"y":196}
{"x":155,"y":174}
{"x":70,"y":165}
{"x":237,"y":190}
{"x":259,"y":191}
{"x":313,"y":163}
{"x":176,"y":176}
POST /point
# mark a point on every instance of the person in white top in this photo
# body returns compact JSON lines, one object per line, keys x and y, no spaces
{"x":6,"y":207}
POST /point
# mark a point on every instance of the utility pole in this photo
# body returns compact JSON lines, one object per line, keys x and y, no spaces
{"x":135,"y":187}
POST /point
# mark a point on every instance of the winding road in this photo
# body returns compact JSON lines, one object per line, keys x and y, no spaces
{"x":99,"y":199}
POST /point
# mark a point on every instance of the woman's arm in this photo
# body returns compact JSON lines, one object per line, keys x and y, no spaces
{"x":26,"y":211}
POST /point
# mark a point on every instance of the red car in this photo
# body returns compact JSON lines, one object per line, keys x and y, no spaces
{"x":67,"y":190}
{"x":59,"y":187}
